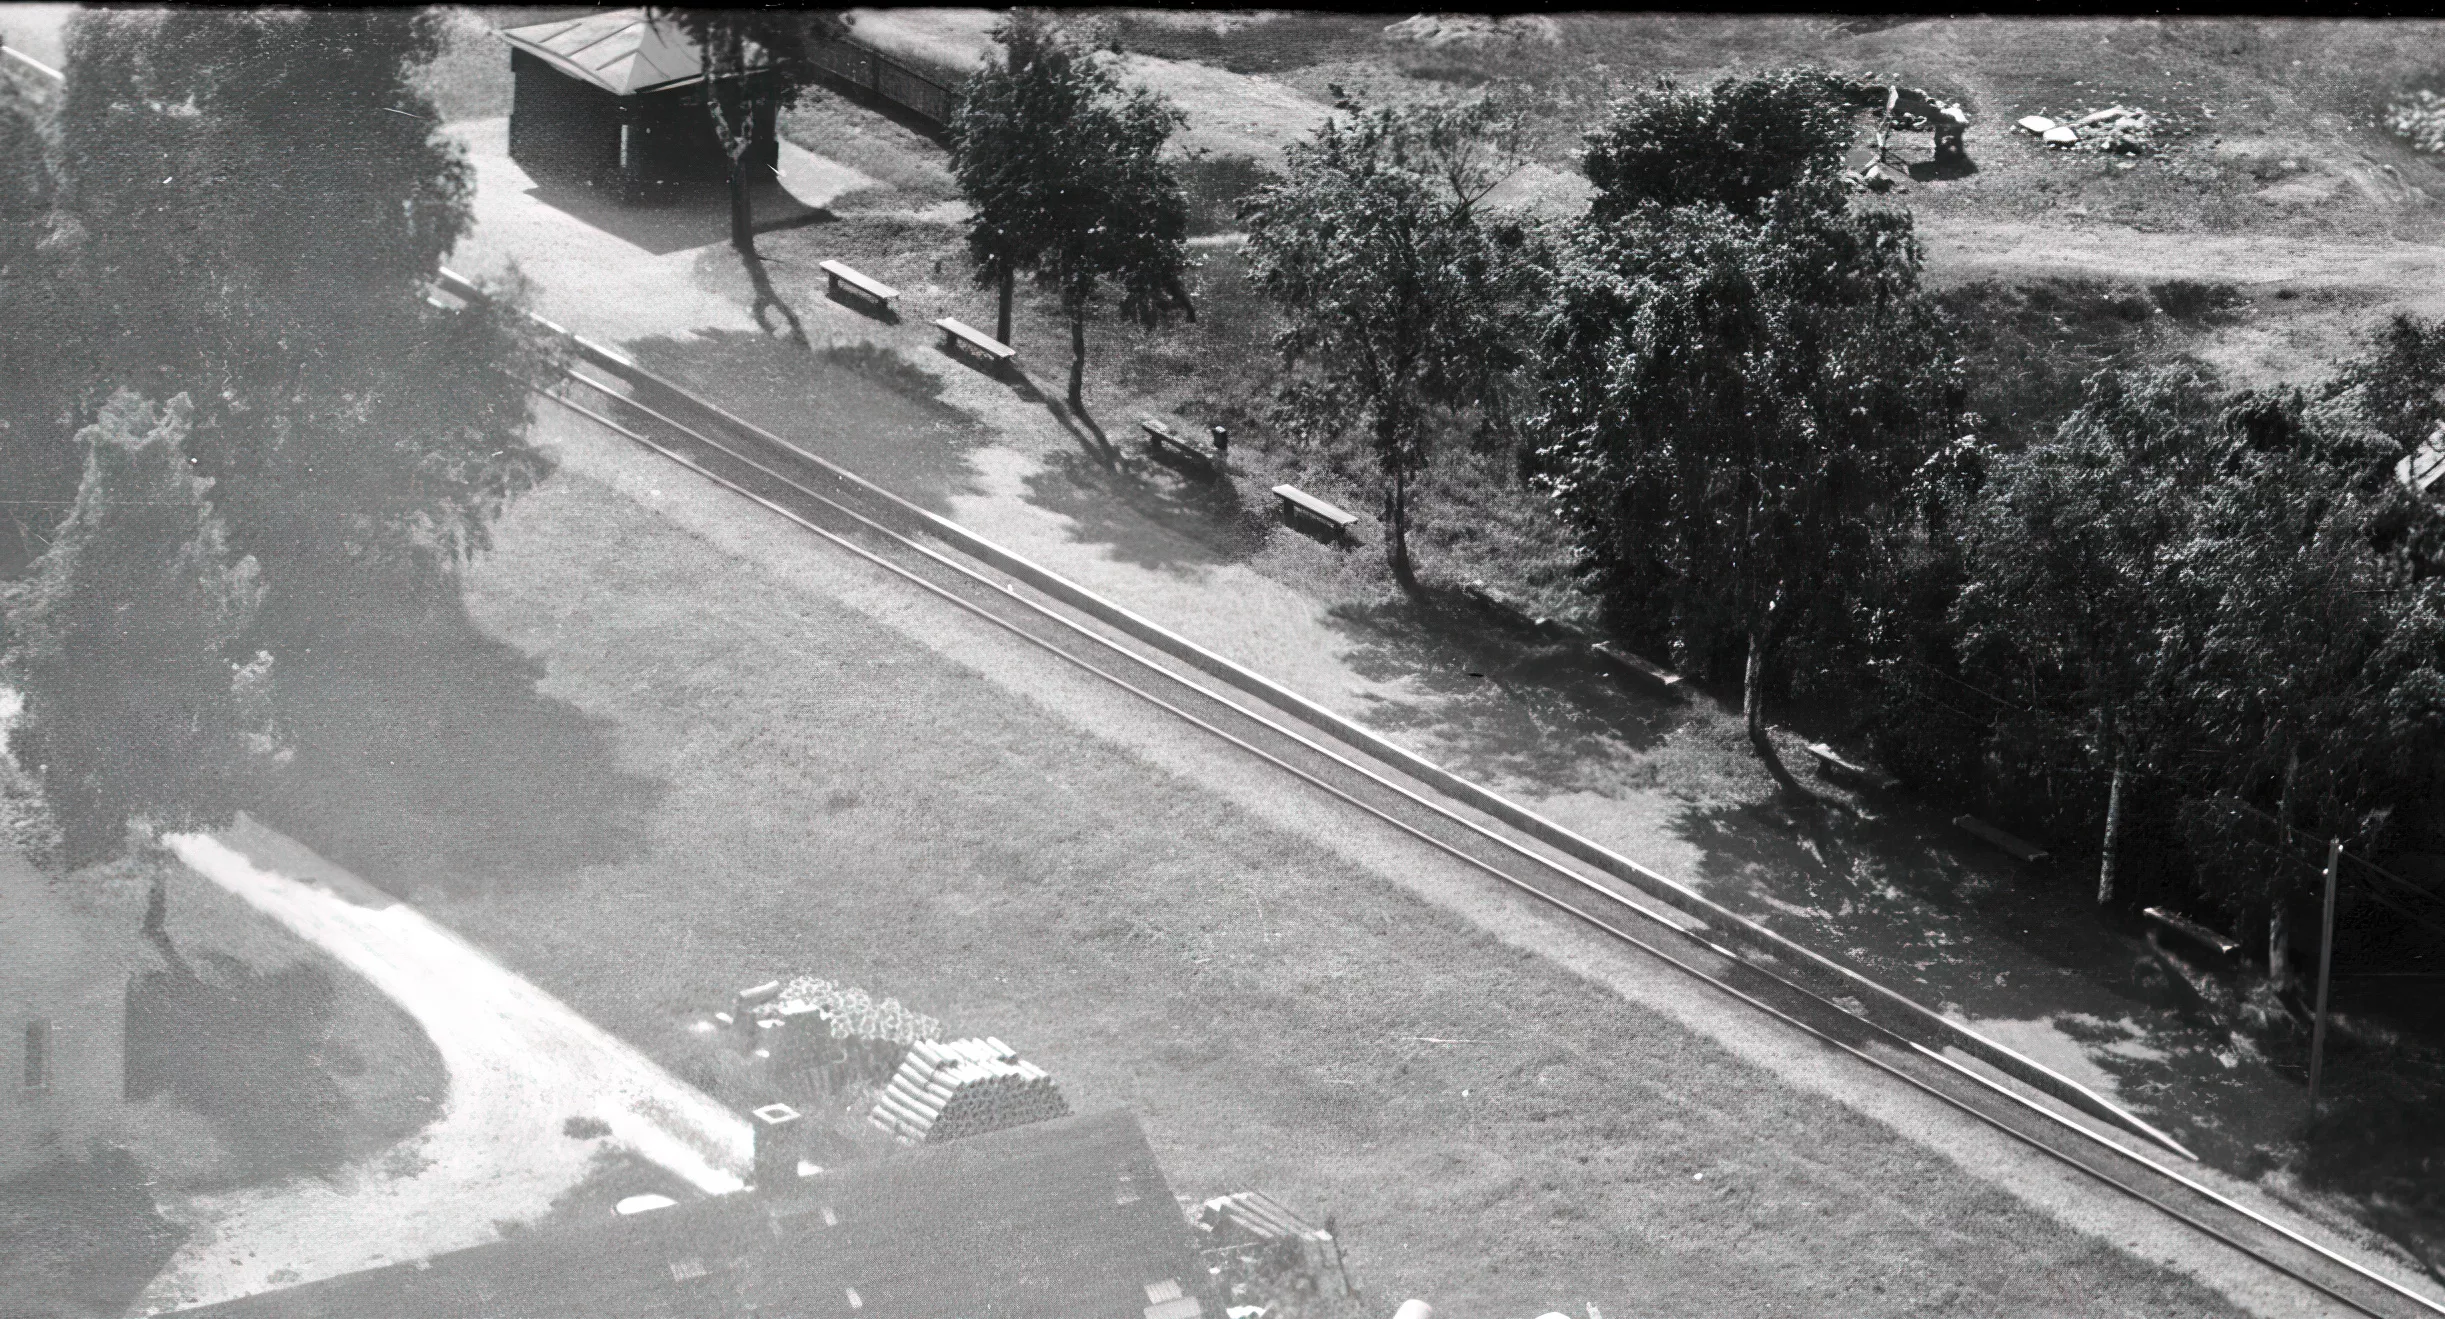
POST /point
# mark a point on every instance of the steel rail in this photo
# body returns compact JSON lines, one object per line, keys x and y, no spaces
{"x":1007,"y":592}
{"x":1656,"y":885}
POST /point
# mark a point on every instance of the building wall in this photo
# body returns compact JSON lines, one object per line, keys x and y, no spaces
{"x":561,"y":129}
{"x":51,"y":977}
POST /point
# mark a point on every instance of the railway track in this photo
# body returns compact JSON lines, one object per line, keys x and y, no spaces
{"x":1809,"y":994}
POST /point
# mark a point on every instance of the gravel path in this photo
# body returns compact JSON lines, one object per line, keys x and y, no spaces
{"x":521,"y":1063}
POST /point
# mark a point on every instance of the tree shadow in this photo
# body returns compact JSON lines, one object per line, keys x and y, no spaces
{"x":1502,"y":701}
{"x":1937,"y":171}
{"x":426,"y":757}
{"x":687,"y":216}
{"x":82,"y":1238}
{"x":864,"y":407}
{"x":1154,"y":523}
{"x":769,"y":299}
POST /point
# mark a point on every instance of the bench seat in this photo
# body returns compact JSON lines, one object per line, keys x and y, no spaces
{"x":1296,"y":500}
{"x":873,"y":288}
{"x":1160,"y":437}
{"x":957,"y":332}
{"x":1655,"y":678}
{"x":2019,"y":847}
{"x":1831,"y":764}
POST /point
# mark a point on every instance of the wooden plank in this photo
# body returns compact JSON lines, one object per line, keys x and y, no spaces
{"x":1294,"y":497}
{"x":873,"y":288}
{"x":956,"y":330}
{"x":2188,"y":928}
{"x":1831,"y":764}
{"x":2019,"y":847}
{"x":1661,"y":680}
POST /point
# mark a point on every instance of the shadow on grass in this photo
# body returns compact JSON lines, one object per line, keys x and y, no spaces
{"x":426,"y":757}
{"x":1503,"y":702}
{"x":864,"y":407}
{"x":80,"y":1238}
{"x":252,"y":1053}
{"x":1153,"y":522}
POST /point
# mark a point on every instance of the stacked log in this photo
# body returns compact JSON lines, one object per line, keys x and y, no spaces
{"x":946,"y":1091}
{"x":837,"y":1028}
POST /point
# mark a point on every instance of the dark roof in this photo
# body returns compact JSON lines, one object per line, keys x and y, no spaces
{"x":622,"y":51}
{"x":1067,"y":1219}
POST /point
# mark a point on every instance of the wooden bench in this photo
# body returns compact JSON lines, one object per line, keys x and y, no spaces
{"x":1160,"y":437}
{"x":1296,"y":500}
{"x":2019,"y":847}
{"x":2191,"y":929}
{"x":1662,"y":681}
{"x":876,"y":289}
{"x":955,"y":332}
{"x":1830,"y":764}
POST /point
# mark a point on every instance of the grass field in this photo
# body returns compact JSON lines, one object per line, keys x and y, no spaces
{"x":830,"y":797}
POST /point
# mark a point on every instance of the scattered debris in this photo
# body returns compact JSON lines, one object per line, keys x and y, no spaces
{"x":1437,"y":30}
{"x":2420,"y":120}
{"x":2121,"y":129}
{"x":964,"y":1088}
{"x":1906,"y":110}
{"x":809,"y":1025}
{"x":1261,"y":1252}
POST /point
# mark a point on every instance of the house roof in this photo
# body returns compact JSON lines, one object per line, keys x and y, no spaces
{"x":622,"y":51}
{"x":1067,"y":1219}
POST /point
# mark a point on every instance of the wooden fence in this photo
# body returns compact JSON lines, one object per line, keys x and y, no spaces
{"x":864,"y":66}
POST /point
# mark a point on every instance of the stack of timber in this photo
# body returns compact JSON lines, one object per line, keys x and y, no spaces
{"x":814,"y":1024}
{"x":964,"y":1088}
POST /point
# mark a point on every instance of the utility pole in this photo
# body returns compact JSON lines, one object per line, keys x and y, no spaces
{"x":2326,"y":962}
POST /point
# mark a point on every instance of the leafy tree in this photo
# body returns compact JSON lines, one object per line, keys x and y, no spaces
{"x":2067,"y":589}
{"x":1738,"y":390}
{"x":38,"y":465}
{"x":1064,"y":171}
{"x":254,"y":203}
{"x":125,"y":635}
{"x":1405,"y":303}
{"x":1735,"y":145}
{"x":250,"y":206}
{"x":758,"y":62}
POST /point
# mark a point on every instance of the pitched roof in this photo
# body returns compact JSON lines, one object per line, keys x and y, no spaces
{"x":1067,"y":1219}
{"x":621,"y":51}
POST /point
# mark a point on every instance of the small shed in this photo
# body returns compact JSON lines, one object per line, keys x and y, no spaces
{"x":618,"y":100}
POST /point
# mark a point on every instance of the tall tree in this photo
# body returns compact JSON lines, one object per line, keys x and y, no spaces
{"x":38,"y":463}
{"x":250,"y":205}
{"x":1405,"y":303}
{"x":127,"y":639}
{"x":1738,"y":389}
{"x":758,"y":62}
{"x":255,"y":201}
{"x":1066,"y":178}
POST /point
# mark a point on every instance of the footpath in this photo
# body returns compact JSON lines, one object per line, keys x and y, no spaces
{"x":521,"y":1064}
{"x":1895,"y":890}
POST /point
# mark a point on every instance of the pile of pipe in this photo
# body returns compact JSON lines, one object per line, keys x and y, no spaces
{"x":946,"y":1091}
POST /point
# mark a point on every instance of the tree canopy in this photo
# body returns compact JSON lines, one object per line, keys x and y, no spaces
{"x":758,"y":62}
{"x":1067,"y":180}
{"x":250,"y":205}
{"x":1739,"y":385}
{"x":124,"y":635}
{"x":1404,"y":305}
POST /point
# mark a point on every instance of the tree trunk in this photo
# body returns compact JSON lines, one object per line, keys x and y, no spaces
{"x":1001,"y":319}
{"x":1753,"y":710}
{"x":2279,"y":893}
{"x":2113,"y":830}
{"x":742,"y":210}
{"x":1396,"y":522}
{"x":1078,"y":356}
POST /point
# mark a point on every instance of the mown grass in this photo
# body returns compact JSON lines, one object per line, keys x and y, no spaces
{"x":844,"y":802}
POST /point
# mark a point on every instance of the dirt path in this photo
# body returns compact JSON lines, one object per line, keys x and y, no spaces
{"x":521,"y":1063}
